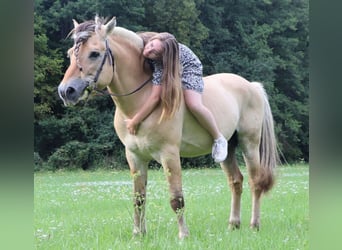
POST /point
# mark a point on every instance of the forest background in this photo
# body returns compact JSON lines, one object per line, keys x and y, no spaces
{"x":262,"y":40}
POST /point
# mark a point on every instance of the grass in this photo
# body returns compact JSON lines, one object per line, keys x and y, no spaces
{"x":93,"y":210}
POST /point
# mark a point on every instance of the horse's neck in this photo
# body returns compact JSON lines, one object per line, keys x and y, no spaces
{"x":129,"y":70}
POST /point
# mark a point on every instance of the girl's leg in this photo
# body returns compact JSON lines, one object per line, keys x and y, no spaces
{"x":193,"y":100}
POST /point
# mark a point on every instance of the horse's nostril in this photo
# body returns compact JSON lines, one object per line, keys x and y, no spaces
{"x":70,"y":91}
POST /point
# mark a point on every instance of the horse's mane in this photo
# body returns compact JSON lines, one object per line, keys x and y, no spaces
{"x":130,"y":36}
{"x":84,"y":30}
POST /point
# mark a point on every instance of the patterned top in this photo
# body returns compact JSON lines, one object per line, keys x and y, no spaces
{"x":191,"y":69}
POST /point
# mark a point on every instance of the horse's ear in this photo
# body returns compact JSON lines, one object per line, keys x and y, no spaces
{"x":98,"y":24}
{"x":109,"y":27}
{"x":98,"y":20}
{"x":75,"y":23}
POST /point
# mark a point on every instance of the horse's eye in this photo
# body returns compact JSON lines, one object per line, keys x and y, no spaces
{"x":94,"y":55}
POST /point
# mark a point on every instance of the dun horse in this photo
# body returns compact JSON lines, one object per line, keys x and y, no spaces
{"x":106,"y":56}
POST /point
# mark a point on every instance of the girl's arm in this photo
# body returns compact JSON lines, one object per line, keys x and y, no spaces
{"x":146,"y":109}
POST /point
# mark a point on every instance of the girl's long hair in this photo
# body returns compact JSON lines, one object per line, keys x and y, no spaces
{"x":171,"y":78}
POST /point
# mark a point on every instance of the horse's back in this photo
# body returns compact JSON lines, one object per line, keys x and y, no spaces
{"x":225,"y":89}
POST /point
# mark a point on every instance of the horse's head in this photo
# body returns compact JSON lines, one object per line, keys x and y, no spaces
{"x":91,"y":61}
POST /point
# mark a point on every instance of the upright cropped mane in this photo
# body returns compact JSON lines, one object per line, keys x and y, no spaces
{"x":129,"y":35}
{"x":84,"y":30}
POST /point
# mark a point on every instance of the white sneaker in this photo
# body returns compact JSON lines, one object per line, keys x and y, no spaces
{"x":220,"y":149}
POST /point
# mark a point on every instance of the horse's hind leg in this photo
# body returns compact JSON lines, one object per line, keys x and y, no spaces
{"x":235,"y":180}
{"x":138,"y":170}
{"x":252,"y":159}
{"x":172,"y":168}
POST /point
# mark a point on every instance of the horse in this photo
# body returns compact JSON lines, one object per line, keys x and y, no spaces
{"x":106,"y":57}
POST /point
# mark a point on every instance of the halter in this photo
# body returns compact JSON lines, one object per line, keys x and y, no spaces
{"x":92,"y":85}
{"x":108,"y":53}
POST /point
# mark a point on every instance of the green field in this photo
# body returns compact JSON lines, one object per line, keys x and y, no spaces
{"x":93,"y":210}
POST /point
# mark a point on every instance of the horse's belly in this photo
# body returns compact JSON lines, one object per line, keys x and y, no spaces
{"x":188,"y":151}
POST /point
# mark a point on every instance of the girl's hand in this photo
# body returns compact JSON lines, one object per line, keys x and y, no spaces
{"x":131,"y":126}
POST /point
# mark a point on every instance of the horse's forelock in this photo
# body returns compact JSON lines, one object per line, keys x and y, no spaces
{"x":83,"y":31}
{"x":82,"y":36}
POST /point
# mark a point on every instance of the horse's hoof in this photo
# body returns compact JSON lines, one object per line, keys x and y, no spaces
{"x":139,"y":233}
{"x":233,"y":226}
{"x":183,"y":235}
{"x":255,"y":226}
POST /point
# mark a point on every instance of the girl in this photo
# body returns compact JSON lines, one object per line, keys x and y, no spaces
{"x":175,"y":65}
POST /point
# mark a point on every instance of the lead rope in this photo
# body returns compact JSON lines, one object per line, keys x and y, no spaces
{"x":104,"y":92}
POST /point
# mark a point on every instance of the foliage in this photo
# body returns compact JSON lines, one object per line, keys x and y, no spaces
{"x":73,"y":153}
{"x":82,"y":138}
{"x":179,"y":17}
{"x":265,"y":41}
{"x":47,"y":68}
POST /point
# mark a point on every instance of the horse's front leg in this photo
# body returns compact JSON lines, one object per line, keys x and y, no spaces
{"x":138,"y":168}
{"x":172,"y":168}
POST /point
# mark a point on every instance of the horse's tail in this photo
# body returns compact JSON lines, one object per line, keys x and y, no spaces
{"x":269,"y":156}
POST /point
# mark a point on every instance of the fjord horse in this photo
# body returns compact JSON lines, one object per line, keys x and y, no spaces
{"x":108,"y":57}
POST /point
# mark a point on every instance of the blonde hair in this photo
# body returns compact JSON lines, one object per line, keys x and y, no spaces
{"x":171,"y":77}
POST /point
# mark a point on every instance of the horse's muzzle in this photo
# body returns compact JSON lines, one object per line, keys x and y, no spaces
{"x":73,"y":91}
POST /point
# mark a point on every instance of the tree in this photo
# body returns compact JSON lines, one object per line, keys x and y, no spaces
{"x":47,"y":72}
{"x":265,"y":41}
{"x":179,"y":17}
